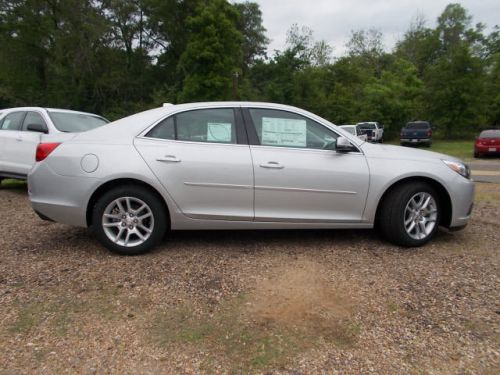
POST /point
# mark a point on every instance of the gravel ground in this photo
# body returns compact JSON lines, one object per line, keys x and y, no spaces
{"x":288,"y":302}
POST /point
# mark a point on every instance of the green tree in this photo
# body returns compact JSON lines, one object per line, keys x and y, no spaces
{"x":213,"y":53}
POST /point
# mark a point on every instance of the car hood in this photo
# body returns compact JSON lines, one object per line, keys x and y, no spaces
{"x":402,"y":153}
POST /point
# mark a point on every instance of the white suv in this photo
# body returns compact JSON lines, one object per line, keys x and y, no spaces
{"x":22,"y":129}
{"x":376,"y":129}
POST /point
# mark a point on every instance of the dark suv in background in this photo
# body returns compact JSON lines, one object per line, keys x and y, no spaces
{"x":416,"y":132}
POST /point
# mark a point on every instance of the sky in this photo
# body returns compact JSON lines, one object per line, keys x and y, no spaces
{"x":333,"y":20}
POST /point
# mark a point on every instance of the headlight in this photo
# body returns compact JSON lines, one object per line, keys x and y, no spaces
{"x":461,"y":168}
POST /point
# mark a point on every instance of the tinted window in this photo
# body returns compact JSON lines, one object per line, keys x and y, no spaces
{"x":366,"y":126}
{"x":69,"y":122}
{"x":164,"y":130}
{"x":203,"y":125}
{"x":418,"y":125}
{"x":13,"y":121}
{"x":490,"y":134}
{"x":287,"y":129}
{"x":33,"y":118}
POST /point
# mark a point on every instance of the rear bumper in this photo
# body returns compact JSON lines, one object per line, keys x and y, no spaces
{"x":415,"y":140}
{"x":480,"y":149}
{"x":59,"y":198}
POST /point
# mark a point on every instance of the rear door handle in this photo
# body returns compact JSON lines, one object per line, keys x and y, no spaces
{"x":272,"y":165}
{"x":169,"y":159}
{"x":19,"y":138}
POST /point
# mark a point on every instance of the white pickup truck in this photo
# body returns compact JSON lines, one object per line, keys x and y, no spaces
{"x":21,"y":130}
{"x":376,"y":130}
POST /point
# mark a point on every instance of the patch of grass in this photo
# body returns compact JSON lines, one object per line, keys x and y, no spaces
{"x":27,"y":316}
{"x":247,"y":346}
{"x":392,"y":307}
{"x":60,"y":315}
{"x":459,"y":149}
{"x":10,"y":183}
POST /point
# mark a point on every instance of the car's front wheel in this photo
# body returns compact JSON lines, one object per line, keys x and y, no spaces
{"x":129,"y":220}
{"x":410,"y":214}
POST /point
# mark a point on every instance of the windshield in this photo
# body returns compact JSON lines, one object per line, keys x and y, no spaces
{"x":366,"y":126}
{"x":350,"y":129}
{"x":69,"y":122}
{"x":417,"y":125}
{"x":490,"y":134}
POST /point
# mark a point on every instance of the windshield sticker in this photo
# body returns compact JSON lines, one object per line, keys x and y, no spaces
{"x":283,"y":132}
{"x":219,"y":132}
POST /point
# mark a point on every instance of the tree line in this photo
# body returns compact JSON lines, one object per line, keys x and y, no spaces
{"x":117,"y":57}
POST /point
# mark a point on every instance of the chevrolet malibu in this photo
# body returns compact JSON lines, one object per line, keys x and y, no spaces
{"x":242,"y":166}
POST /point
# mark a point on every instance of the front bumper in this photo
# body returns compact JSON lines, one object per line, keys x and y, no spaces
{"x":462,"y":197}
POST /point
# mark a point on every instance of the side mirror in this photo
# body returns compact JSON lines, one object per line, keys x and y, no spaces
{"x":344,"y":145}
{"x":39,"y":128}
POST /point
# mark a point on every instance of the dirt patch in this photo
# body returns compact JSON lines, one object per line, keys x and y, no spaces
{"x":299,"y":296}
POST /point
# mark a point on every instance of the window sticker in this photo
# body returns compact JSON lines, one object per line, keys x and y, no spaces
{"x":219,"y":132}
{"x":283,"y":132}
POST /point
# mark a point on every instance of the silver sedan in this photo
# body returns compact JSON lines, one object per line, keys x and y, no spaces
{"x":242,"y":166}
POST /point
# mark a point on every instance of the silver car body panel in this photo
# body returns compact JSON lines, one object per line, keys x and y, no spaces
{"x":223,"y":186}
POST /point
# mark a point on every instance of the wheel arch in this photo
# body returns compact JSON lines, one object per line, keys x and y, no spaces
{"x":444,"y":197}
{"x":109,"y":185}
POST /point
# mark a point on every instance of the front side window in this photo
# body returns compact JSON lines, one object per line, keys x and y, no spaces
{"x":287,"y":129}
{"x":13,"y":121}
{"x":202,"y":125}
{"x":33,"y":118}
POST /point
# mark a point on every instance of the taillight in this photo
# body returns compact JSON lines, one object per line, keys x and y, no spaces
{"x":429,"y":133}
{"x":44,"y":149}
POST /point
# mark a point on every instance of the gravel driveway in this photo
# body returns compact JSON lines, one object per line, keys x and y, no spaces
{"x":290,"y":302}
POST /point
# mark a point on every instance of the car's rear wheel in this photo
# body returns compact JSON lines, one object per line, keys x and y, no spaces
{"x":129,"y":220}
{"x":410,"y":214}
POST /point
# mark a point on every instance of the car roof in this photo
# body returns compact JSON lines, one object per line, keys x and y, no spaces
{"x":45,"y":109}
{"x":133,"y":125}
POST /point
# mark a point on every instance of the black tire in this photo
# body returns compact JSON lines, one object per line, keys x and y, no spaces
{"x":155,"y":204}
{"x":477,"y":155}
{"x":390,"y":220}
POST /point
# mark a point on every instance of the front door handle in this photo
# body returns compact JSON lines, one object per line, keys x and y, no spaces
{"x":169,"y":159}
{"x":19,"y":138}
{"x":272,"y":165}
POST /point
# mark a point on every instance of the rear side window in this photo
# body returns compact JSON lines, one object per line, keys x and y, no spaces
{"x":33,"y":118}
{"x":418,"y":125}
{"x":366,"y":126}
{"x":349,"y":129}
{"x":203,"y":125}
{"x":490,"y":134}
{"x":13,"y":121}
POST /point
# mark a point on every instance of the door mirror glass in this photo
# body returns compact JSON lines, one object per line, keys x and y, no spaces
{"x":37,"y":128}
{"x":344,"y":145}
